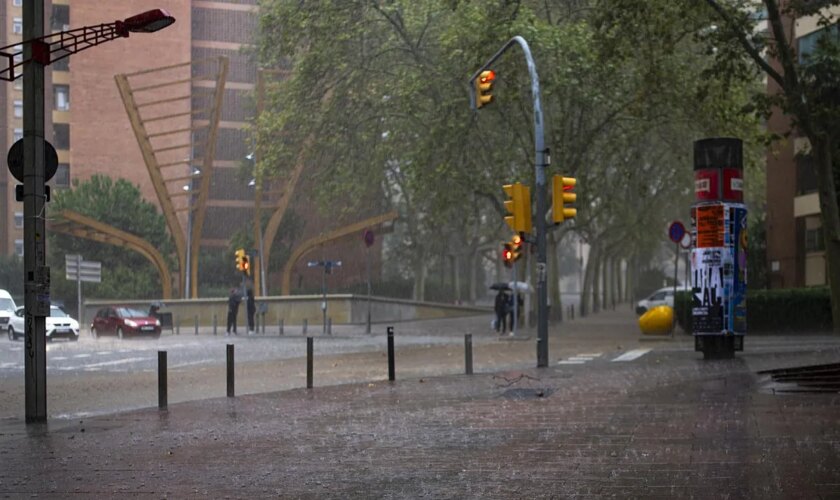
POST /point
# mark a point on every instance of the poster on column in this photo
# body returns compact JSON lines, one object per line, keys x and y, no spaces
{"x":738,"y":298}
{"x":708,"y":298}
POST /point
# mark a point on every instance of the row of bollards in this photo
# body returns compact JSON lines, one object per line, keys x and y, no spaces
{"x":310,"y":365}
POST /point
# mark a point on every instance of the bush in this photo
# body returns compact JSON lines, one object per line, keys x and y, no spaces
{"x":800,"y":310}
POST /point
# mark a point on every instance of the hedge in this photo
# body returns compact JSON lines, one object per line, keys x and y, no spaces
{"x":801,"y":310}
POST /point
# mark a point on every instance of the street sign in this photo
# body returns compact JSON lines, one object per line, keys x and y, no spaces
{"x":676,"y":231}
{"x":685,"y":242}
{"x":15,"y":160}
{"x":83,"y":270}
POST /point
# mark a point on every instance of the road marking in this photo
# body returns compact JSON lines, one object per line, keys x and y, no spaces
{"x":58,"y":358}
{"x":106,"y":363}
{"x":579,"y":359}
{"x":81,"y":356}
{"x":570,"y":362}
{"x":631,"y":355}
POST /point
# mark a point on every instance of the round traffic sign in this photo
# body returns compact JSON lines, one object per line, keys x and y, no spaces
{"x":369,"y":238}
{"x":15,"y":160}
{"x":685,"y":242}
{"x":676,"y":231}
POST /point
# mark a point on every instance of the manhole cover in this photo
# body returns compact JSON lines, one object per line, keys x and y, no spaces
{"x":814,"y":378}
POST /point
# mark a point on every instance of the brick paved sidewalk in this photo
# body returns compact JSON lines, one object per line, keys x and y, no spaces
{"x":665,"y":425}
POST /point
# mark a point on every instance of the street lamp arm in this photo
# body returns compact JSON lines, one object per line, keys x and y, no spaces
{"x":56,"y":46}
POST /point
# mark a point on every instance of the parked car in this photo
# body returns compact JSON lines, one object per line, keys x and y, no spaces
{"x":7,"y":309}
{"x":59,"y":325}
{"x":123,"y":321}
{"x":661,"y":297}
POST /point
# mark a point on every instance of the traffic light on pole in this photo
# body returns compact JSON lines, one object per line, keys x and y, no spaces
{"x":246,"y":265}
{"x":484,"y":87}
{"x":516,"y":246}
{"x":507,"y":254}
{"x":240,"y":255}
{"x":519,"y":207}
{"x":562,"y":196}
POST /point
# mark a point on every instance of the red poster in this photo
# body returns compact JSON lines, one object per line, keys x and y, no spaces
{"x":733,"y":185}
{"x":710,"y":226}
{"x":706,"y":184}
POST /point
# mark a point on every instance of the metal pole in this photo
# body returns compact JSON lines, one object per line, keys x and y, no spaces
{"x":541,"y":161}
{"x":230,"y":392}
{"x":367,"y":330}
{"x":468,"y":362}
{"x":324,"y":292}
{"x":391,"y":369}
{"x":36,"y":274}
{"x":162,"y":389}
{"x":515,"y":322}
{"x":79,"y":290}
{"x":310,"y":351}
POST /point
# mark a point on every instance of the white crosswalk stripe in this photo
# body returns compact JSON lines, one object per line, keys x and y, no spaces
{"x":631,"y":355}
{"x":579,"y":359}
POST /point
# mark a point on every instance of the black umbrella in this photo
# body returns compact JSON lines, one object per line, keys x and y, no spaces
{"x":500,"y":286}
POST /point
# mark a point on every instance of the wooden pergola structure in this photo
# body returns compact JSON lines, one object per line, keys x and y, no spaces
{"x":170,"y":130}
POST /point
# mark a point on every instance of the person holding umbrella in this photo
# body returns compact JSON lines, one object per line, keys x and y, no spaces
{"x":500,"y":307}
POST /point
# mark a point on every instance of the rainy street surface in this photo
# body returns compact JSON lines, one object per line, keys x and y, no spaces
{"x":615,"y":415}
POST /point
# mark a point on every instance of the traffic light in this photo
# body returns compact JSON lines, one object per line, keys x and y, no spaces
{"x":240,"y":255}
{"x":507,"y":254}
{"x":562,"y":195}
{"x":246,"y":265}
{"x":519,"y":207}
{"x":484,"y":87}
{"x":516,"y":246}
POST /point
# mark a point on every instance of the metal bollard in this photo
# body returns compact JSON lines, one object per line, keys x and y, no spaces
{"x":196,"y":324}
{"x":162,"y":394}
{"x":329,"y":326}
{"x":305,"y":325}
{"x":468,"y":353}
{"x":256,"y":323}
{"x":391,"y":370}
{"x":230,"y":392}
{"x":263,"y":323}
{"x":310,"y":350}
{"x":280,"y":326}
{"x":177,"y":326}
{"x":215,"y":325}
{"x":572,"y":310}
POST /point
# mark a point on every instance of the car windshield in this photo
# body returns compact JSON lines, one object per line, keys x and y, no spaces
{"x":125,"y":312}
{"x":7,"y":305}
{"x":57,"y":312}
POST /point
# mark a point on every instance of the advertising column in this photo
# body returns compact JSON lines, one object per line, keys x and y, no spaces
{"x":718,"y":256}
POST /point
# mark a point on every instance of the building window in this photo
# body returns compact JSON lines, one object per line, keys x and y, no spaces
{"x":17,"y":25}
{"x":18,"y":220}
{"x":806,"y":45}
{"x":17,"y":3}
{"x":62,"y":64}
{"x":813,"y":235}
{"x":62,"y":97}
{"x":62,"y":176}
{"x":19,"y":248}
{"x":61,"y":135}
{"x":18,"y":135}
{"x":60,"y":18}
{"x":18,"y":108}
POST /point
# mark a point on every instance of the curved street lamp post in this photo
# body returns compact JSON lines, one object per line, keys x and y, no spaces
{"x":40,"y":50}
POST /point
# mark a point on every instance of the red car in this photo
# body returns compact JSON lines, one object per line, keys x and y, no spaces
{"x":123,"y":321}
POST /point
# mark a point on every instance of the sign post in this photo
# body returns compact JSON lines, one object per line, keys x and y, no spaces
{"x":676,"y":231}
{"x":81,"y":270}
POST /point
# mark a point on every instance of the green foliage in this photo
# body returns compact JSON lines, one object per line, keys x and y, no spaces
{"x":792,"y":310}
{"x":125,"y":273}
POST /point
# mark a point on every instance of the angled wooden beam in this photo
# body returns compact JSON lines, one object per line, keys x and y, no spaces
{"x":317,"y":241}
{"x":76,"y":224}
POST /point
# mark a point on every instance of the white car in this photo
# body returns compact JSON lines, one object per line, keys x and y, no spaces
{"x":661,"y":297}
{"x":59,"y":324}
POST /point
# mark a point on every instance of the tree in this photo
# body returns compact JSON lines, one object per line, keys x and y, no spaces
{"x":125,"y":274}
{"x":805,"y":89}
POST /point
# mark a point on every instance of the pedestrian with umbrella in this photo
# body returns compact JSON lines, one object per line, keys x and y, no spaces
{"x":500,"y":306}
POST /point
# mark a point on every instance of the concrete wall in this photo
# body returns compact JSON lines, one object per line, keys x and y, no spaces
{"x":343,"y":309}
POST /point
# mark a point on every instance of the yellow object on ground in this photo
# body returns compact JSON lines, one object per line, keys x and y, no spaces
{"x":658,"y":321}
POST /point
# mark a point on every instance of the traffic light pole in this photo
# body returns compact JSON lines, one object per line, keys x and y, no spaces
{"x":541,"y":161}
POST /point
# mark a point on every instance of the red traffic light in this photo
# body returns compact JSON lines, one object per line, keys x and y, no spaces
{"x":487,"y":76}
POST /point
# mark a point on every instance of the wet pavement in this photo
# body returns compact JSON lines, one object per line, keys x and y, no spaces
{"x":613,"y":416}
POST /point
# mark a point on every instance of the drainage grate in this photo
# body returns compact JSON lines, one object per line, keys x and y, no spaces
{"x":522,"y":393}
{"x":814,"y":378}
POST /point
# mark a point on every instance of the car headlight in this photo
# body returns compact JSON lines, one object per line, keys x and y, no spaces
{"x":132,"y":324}
{"x":157,"y":322}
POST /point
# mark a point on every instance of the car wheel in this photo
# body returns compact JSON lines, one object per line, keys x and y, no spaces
{"x":93,"y":333}
{"x":12,"y":335}
{"x":120,"y":333}
{"x":74,"y":338}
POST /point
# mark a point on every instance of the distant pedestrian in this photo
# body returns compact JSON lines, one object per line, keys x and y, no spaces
{"x":251,"y":308}
{"x":500,"y":307}
{"x":233,"y":310}
{"x":515,"y":313}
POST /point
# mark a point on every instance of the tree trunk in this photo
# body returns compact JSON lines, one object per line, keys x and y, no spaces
{"x":586,"y":293}
{"x":831,"y":224}
{"x":595,"y":262}
{"x":420,"y":274}
{"x":471,"y":262}
{"x":554,"y":279}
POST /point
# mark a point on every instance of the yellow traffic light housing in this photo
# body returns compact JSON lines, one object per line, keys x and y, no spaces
{"x":562,"y":196}
{"x":240,"y":256}
{"x":519,"y":207}
{"x":246,"y":265}
{"x":483,"y":88}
